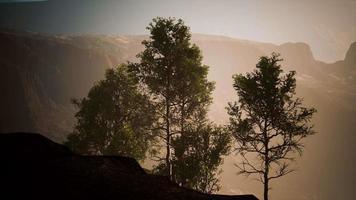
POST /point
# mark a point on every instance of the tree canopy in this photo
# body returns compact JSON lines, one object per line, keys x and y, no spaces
{"x":114,"y":119}
{"x":267,"y":122}
{"x":170,"y":68}
{"x":198,"y":155}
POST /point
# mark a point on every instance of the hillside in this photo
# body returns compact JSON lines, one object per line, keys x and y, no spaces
{"x":42,"y":169}
{"x":40,"y":73}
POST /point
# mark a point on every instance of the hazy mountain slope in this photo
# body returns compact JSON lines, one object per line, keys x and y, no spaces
{"x":230,"y":56}
{"x":39,"y":74}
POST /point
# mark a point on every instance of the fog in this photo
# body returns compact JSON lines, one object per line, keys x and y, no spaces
{"x":325,"y":29}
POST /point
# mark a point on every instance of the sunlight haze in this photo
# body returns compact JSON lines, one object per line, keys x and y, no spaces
{"x":328,"y":26}
{"x":55,"y":50}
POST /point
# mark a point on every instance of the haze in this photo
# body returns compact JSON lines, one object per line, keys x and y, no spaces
{"x":326,"y":169}
{"x":327,"y":26}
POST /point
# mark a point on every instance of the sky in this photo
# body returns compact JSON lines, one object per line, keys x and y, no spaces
{"x":328,"y":26}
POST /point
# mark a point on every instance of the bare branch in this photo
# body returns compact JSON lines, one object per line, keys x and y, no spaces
{"x":283,"y":170}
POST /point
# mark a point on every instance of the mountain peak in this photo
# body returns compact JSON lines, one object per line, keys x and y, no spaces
{"x":298,"y":54}
{"x":350,"y":57}
{"x":300,"y":47}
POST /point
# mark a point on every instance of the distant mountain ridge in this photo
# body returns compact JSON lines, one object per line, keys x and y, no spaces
{"x":43,"y":72}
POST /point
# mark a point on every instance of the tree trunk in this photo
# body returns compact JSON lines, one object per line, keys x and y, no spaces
{"x":182,"y":119}
{"x":168,"y":128}
{"x":168,"y":140}
{"x":265,"y":189}
{"x":266,"y":159}
{"x":265,"y":174}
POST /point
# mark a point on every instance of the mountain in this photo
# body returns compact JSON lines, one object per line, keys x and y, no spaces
{"x":228,"y":56}
{"x":39,"y":76}
{"x":40,"y":73}
{"x":37,"y":168}
{"x":350,"y":57}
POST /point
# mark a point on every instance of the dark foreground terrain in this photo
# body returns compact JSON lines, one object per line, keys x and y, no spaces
{"x":34,"y":167}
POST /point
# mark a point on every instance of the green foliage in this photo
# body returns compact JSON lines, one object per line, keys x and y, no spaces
{"x":267,"y":121}
{"x":171,"y":67}
{"x":198,"y":155}
{"x":114,"y":119}
{"x":171,"y":70}
{"x":166,"y":95}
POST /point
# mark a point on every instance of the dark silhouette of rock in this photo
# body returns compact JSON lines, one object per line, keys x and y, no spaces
{"x":34,"y":167}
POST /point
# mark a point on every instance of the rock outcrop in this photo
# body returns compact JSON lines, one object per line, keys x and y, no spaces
{"x":34,"y":167}
{"x":350,"y":57}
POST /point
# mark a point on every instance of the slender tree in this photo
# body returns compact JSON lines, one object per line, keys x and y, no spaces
{"x":171,"y":69}
{"x":114,"y":119}
{"x":267,"y":122}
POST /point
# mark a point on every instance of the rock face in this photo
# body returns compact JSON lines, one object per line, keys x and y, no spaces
{"x":350,"y":57}
{"x":34,"y":167}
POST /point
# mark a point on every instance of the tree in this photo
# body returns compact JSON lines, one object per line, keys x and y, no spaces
{"x":267,"y":122}
{"x":114,"y":119}
{"x":198,"y":154}
{"x":171,"y":69}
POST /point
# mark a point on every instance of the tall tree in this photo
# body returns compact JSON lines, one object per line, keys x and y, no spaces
{"x":268,"y":123}
{"x":171,"y":69}
{"x":114,"y":119}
